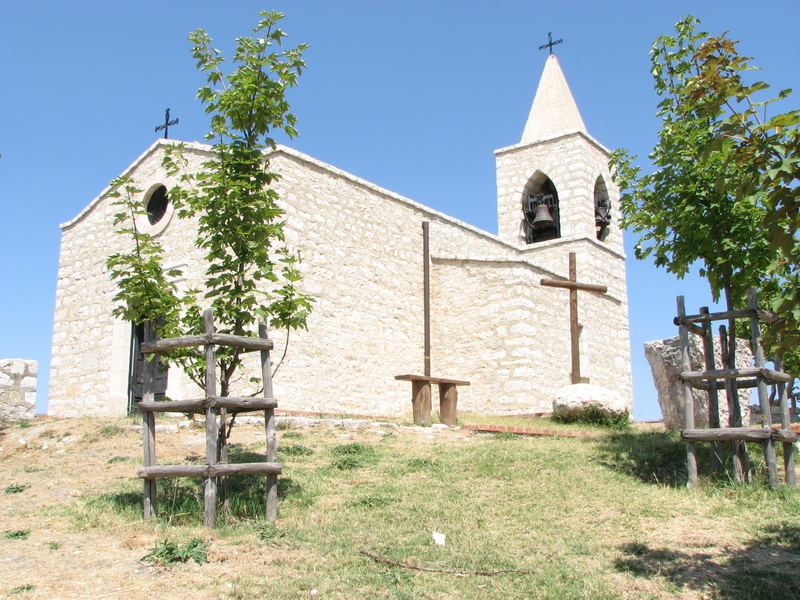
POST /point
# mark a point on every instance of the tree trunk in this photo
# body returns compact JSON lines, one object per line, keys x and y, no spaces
{"x":735,"y":413}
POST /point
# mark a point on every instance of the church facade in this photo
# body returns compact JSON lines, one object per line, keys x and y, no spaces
{"x":492,"y":322}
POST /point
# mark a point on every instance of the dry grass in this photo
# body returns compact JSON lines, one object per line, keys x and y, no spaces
{"x":604,"y":517}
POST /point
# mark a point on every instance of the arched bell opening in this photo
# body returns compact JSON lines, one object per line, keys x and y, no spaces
{"x":541,"y":215}
{"x":602,"y":209}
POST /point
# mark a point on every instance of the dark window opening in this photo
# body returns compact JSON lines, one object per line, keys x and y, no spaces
{"x":602,"y":210}
{"x":542,"y":217}
{"x":157,"y":205}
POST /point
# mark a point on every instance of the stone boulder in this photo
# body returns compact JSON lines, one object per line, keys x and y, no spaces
{"x":17,"y":389}
{"x":664,"y":357}
{"x":573,"y":400}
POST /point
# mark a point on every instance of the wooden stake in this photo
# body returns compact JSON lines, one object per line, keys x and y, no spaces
{"x":426,"y":292}
{"x":763,"y":397}
{"x":713,"y":398}
{"x":741,"y":461}
{"x":270,"y":431}
{"x":788,"y":448}
{"x":688,"y":401}
{"x":210,"y":511}
{"x":149,"y":423}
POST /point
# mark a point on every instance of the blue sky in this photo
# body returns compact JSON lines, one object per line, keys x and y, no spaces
{"x":411,"y":95}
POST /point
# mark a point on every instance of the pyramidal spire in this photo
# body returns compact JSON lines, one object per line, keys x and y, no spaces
{"x":554,"y":112}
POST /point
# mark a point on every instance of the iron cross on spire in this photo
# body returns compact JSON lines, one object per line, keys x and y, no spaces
{"x":550,"y":43}
{"x":166,"y":125}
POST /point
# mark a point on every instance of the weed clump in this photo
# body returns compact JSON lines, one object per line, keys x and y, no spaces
{"x":269,"y":532}
{"x":347,"y":463}
{"x":169,"y":553}
{"x":108,"y":431}
{"x":16,"y":534}
{"x":594,"y":416}
{"x":296,"y":450}
{"x":354,"y":449}
{"x":16,"y":488}
{"x":373,"y":500}
{"x":20,"y":589}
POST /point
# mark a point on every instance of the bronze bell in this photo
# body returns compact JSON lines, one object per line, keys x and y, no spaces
{"x":542,"y":217}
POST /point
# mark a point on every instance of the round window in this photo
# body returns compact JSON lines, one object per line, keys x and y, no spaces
{"x":157,"y":205}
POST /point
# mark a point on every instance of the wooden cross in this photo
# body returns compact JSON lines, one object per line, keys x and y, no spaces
{"x":550,"y":43}
{"x":574,"y":286}
{"x":166,"y":125}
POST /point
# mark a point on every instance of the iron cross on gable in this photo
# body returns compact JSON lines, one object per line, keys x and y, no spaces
{"x":550,"y":43}
{"x":574,"y":286}
{"x":166,"y":125}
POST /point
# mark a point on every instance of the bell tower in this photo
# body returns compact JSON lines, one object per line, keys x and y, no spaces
{"x":554,"y":186}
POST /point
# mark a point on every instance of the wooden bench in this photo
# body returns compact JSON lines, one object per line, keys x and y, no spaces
{"x":421,"y":397}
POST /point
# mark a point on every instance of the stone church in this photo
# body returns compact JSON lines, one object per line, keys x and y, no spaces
{"x":492,"y":323}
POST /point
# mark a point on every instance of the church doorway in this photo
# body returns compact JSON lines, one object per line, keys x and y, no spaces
{"x":136,"y":371}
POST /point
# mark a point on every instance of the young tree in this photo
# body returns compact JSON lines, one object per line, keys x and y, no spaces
{"x":693,"y":207}
{"x":765,"y":153}
{"x":682,"y":214}
{"x":250,"y":272}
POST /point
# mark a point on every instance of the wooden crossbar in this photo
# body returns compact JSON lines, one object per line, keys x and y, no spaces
{"x":218,"y":339}
{"x":744,"y":434}
{"x":763,"y":315}
{"x":768,"y":374}
{"x":218,"y":470}
{"x":409,"y":377}
{"x":201,"y":404}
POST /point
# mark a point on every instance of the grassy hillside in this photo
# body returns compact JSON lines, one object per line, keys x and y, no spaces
{"x":599,"y":517}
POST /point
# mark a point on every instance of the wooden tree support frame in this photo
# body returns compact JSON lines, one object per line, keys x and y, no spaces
{"x":214,"y":407}
{"x":734,"y":378}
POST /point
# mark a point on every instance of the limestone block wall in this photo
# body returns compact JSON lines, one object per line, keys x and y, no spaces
{"x":91,"y":348}
{"x":573,"y":163}
{"x":361,"y":249}
{"x":17,"y":389}
{"x":495,"y":325}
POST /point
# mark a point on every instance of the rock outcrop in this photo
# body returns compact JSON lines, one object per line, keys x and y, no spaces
{"x":17,"y":389}
{"x":573,"y":400}
{"x":665,"y":362}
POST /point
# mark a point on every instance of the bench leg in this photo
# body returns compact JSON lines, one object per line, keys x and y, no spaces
{"x":448,"y":403}
{"x":421,"y":402}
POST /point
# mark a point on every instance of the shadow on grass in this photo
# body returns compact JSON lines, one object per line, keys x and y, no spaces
{"x":652,"y":457}
{"x":765,"y":569}
{"x":182,"y":499}
{"x":660,"y":457}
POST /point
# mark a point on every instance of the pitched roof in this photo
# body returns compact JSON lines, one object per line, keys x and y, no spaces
{"x":553,"y":112}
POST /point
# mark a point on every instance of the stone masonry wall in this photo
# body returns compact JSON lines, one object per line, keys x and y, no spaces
{"x":361,"y":248}
{"x":17,"y":389}
{"x":573,"y":163}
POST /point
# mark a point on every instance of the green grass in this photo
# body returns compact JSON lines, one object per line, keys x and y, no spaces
{"x":604,"y":517}
{"x":16,"y":534}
